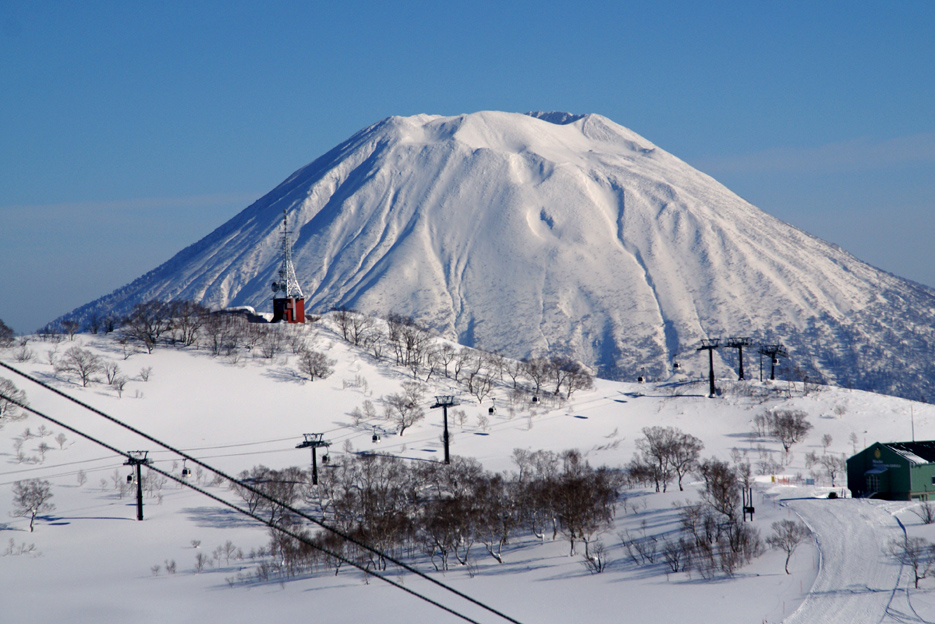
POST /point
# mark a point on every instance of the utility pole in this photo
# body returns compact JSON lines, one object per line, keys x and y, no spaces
{"x":709,"y":345}
{"x":739,"y":344}
{"x":138,"y":458}
{"x":444,"y":402}
{"x":314,"y":441}
{"x":774,"y":352}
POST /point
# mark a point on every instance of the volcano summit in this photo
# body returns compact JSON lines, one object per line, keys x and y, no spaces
{"x":556,"y":232}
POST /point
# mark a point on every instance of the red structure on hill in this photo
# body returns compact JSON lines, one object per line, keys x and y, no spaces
{"x":288,"y":300}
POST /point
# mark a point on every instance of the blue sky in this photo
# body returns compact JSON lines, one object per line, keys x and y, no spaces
{"x":129,"y":131}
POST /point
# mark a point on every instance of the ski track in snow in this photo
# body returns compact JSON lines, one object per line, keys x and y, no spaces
{"x":857,"y":581}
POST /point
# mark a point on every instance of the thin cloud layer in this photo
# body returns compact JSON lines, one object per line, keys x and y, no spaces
{"x":860,"y":154}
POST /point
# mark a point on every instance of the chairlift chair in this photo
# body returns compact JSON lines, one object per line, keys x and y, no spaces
{"x":186,"y":472}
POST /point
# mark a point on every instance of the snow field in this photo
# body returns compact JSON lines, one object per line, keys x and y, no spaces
{"x":96,"y":560}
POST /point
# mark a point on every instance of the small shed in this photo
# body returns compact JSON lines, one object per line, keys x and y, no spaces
{"x":893,"y":471}
{"x":289,"y":309}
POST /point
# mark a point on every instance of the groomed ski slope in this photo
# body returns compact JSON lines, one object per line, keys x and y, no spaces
{"x":857,"y":580}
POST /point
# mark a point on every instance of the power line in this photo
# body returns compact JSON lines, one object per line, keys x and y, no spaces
{"x":132,"y":458}
{"x":253,"y":490}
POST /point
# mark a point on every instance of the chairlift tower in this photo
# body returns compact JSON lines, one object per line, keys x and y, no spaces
{"x":739,"y":344}
{"x":288,"y":299}
{"x":774,"y":352}
{"x":314,"y":441}
{"x":138,"y":458}
{"x":709,"y":345}
{"x":444,"y":402}
{"x":747,"y":502}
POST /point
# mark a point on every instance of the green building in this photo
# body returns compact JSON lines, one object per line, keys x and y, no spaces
{"x":893,"y":471}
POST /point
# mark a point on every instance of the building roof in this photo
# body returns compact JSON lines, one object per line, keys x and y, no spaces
{"x":914,"y":452}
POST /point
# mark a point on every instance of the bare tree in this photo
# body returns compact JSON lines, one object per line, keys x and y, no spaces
{"x":584,"y":500}
{"x":514,"y":369}
{"x":361,"y":326}
{"x":6,"y":335}
{"x":223,"y":332}
{"x":722,"y":487}
{"x":111,"y":370}
{"x":70,"y":328}
{"x":788,"y":426}
{"x":148,"y":322}
{"x":916,"y":553}
{"x":446,"y":355}
{"x":188,"y":318}
{"x":404,"y":408}
{"x":433,"y":360}
{"x":31,"y":498}
{"x":787,"y":535}
{"x":655,"y":455}
{"x":833,"y":465}
{"x":8,"y":410}
{"x":684,"y":454}
{"x":82,"y":363}
{"x":925,"y":512}
{"x":481,"y":386}
{"x":272,"y":342}
{"x":342,"y":317}
{"x":537,"y":370}
{"x":578,"y":379}
{"x":118,"y":384}
{"x":315,"y":364}
{"x":23,"y":353}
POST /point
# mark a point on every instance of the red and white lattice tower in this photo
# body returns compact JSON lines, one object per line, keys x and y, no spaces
{"x":288,"y":300}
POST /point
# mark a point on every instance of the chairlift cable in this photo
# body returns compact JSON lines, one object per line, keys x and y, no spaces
{"x":45,"y":467}
{"x":253,"y":490}
{"x":248,"y":513}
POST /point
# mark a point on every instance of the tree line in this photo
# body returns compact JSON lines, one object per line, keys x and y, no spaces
{"x":443,"y":513}
{"x":398,"y":339}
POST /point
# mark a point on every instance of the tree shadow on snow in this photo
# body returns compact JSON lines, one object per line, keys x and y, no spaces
{"x":218,"y":518}
{"x":284,"y":374}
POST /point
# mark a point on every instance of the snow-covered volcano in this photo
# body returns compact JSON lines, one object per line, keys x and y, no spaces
{"x":550,"y":231}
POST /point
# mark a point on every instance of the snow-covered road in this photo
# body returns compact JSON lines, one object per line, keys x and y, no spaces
{"x":857,"y":581}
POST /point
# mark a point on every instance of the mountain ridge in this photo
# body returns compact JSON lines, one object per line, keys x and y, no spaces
{"x":556,"y":232}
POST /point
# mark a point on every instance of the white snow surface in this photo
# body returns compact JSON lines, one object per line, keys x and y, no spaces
{"x":93,"y":561}
{"x":555,"y":232}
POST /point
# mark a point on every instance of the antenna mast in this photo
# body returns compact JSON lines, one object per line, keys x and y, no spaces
{"x":288,"y":285}
{"x":288,"y":300}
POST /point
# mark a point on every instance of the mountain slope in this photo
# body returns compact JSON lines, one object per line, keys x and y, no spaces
{"x":528,"y":233}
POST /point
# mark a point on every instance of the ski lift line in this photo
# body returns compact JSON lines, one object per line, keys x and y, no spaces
{"x":258,"y":518}
{"x":46,"y":467}
{"x":253,"y":490}
{"x":233,"y":454}
{"x":223,"y":446}
{"x":69,"y":474}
